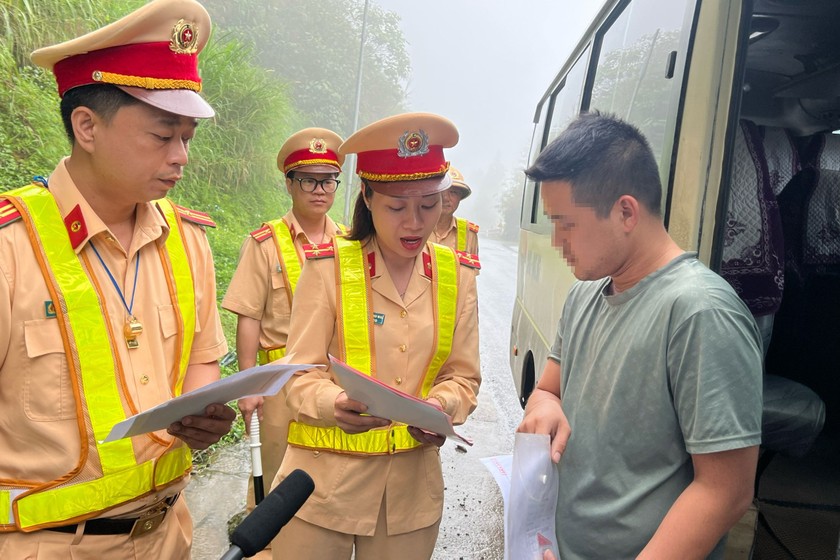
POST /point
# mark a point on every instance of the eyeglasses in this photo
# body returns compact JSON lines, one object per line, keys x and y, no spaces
{"x":308,"y":184}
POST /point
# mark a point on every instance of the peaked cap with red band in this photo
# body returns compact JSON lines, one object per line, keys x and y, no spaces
{"x":403,"y":155}
{"x":312,"y":149}
{"x":151,"y":54}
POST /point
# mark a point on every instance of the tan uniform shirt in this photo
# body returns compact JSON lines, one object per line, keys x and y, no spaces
{"x":349,"y":489}
{"x":39,"y":433}
{"x":451,"y":238}
{"x":258,"y":290}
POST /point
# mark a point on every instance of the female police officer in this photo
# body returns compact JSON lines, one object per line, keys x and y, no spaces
{"x":402,"y":311}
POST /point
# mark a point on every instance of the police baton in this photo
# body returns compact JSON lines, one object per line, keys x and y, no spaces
{"x":256,"y":458}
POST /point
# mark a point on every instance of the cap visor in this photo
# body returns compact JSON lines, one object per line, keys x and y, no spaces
{"x":177,"y":101}
{"x":320,"y":168}
{"x":421,"y":187}
{"x":461,"y":191}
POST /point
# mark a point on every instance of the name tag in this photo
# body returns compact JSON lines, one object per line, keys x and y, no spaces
{"x":378,"y":318}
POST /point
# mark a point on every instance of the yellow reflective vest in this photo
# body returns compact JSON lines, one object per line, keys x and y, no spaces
{"x":290,"y":265}
{"x":117,"y":476}
{"x":355,"y":318}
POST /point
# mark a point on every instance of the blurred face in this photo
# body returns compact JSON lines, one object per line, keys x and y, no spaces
{"x":403,"y":224}
{"x":313,"y":204}
{"x":140,"y":154}
{"x":449,"y":203}
{"x":590,"y":245}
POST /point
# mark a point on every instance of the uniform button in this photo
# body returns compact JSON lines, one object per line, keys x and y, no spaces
{"x":398,"y":380}
{"x":403,"y":347}
{"x":316,"y":453}
{"x":403,"y":313}
{"x":144,"y":379}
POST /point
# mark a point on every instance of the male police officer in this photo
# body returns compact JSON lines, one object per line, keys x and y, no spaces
{"x":262,"y":288}
{"x":107,"y":302}
{"x":456,"y":233}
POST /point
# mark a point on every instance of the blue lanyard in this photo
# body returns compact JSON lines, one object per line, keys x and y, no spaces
{"x":114,"y":282}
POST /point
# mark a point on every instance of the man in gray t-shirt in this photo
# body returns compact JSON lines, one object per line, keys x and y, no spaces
{"x":657,"y":361}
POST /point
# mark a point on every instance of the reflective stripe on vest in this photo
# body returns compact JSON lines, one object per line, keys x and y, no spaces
{"x":95,"y":376}
{"x":356,"y":343}
{"x":462,"y":233}
{"x":290,"y":263}
{"x":184,"y":289}
{"x":265,"y":356}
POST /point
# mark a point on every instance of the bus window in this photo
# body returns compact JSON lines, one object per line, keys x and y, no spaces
{"x":630,"y":79}
{"x":531,"y":196}
{"x":565,"y":105}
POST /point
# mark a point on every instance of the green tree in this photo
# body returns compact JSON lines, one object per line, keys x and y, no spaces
{"x":315,"y":48}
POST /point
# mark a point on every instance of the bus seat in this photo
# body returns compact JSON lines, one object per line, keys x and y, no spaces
{"x":764,"y":160}
{"x":792,"y":418}
{"x":807,"y":331}
{"x":822,"y":151}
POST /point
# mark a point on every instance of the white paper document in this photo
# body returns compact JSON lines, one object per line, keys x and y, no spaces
{"x":529,"y":484}
{"x":257,"y":381}
{"x":386,"y":402}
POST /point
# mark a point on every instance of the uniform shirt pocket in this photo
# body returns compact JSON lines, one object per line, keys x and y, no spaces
{"x":48,"y":391}
{"x":434,"y":472}
{"x":279,"y":299}
{"x":168,"y":321}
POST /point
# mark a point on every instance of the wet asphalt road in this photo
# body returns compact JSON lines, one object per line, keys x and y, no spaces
{"x":472,"y":525}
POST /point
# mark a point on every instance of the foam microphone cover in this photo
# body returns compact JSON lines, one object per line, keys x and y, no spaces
{"x":258,"y":529}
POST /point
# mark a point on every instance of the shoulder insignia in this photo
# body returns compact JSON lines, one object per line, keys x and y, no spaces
{"x":427,"y":264}
{"x":194,"y":216}
{"x":319,"y":250}
{"x":8,"y":212}
{"x":262,"y":234}
{"x":472,"y":227}
{"x":468,"y":259}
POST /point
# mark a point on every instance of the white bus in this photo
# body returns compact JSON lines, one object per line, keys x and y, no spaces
{"x":740,"y":101}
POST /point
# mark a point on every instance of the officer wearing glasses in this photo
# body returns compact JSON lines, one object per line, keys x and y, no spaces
{"x":262,"y":288}
{"x":309,"y":184}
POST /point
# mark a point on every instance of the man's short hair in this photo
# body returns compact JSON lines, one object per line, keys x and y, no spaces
{"x":103,"y":99}
{"x":603,"y":158}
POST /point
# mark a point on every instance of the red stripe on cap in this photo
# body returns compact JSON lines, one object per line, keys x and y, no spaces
{"x":142,"y":60}
{"x":308,"y":157}
{"x":389,"y":162}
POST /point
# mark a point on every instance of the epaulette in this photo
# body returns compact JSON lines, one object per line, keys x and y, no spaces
{"x":8,"y":212}
{"x":472,"y":227}
{"x":319,"y":250}
{"x":468,"y":259}
{"x":194,"y":216}
{"x":262,"y":234}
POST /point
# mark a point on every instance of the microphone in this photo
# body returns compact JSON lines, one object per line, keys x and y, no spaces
{"x":277,"y":509}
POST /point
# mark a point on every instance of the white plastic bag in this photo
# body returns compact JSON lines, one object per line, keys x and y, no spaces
{"x":529,"y":517}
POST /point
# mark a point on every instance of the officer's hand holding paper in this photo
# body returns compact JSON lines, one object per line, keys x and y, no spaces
{"x":256,"y":381}
{"x":386,"y":402}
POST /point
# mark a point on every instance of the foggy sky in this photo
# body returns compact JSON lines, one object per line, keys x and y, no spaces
{"x":485,"y":64}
